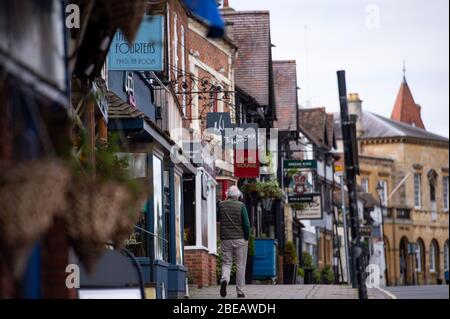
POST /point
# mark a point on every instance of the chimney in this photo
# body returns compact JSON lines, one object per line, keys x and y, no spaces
{"x":355,"y":108}
{"x":226,"y":4}
{"x":419,"y":108}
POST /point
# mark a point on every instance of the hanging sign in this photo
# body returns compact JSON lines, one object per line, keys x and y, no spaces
{"x":145,"y":54}
{"x":246,"y":159}
{"x":298,"y":178}
{"x":311,"y":207}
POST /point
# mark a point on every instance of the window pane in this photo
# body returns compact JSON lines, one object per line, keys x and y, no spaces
{"x":445,"y":192}
{"x":417,"y":190}
{"x":179,"y":238}
{"x":157,"y":207}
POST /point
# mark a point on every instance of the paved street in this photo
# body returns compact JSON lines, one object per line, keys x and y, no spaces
{"x":420,"y":292}
{"x":288,"y":292}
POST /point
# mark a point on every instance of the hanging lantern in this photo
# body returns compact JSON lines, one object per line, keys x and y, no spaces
{"x":267,"y":203}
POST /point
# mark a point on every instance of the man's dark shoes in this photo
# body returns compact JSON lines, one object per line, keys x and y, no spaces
{"x":223,"y":289}
{"x":241,"y":295}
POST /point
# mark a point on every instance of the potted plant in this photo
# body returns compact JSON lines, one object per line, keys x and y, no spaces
{"x":269,"y":189}
{"x":104,"y":203}
{"x":250,"y":190}
{"x":326,"y":275}
{"x":290,"y":265}
{"x":309,"y":272}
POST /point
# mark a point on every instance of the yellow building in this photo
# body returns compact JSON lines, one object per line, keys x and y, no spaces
{"x":410,"y":166}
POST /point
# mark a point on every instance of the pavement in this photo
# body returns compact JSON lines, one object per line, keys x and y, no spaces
{"x":420,"y":292}
{"x":288,"y":292}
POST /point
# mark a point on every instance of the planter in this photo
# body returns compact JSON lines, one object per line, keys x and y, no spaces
{"x":309,"y":276}
{"x":290,"y":274}
{"x":95,"y":209}
{"x":32,"y":194}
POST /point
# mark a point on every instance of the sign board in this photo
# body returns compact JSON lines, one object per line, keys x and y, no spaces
{"x":365,"y":231}
{"x":145,"y":54}
{"x":298,"y":178}
{"x":296,"y":164}
{"x":312,"y":208}
{"x":339,"y":167}
{"x":217,"y":123}
{"x":246,"y":159}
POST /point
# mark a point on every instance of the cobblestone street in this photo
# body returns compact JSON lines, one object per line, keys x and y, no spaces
{"x":288,"y":292}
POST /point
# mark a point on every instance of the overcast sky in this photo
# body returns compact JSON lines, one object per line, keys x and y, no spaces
{"x":370,"y":40}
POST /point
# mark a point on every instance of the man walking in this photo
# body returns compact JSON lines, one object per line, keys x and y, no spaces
{"x":234,"y":234}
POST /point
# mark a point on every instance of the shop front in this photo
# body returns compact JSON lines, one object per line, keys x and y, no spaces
{"x":158,"y":238}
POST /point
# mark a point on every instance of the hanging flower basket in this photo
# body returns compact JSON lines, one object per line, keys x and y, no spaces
{"x":250,"y":190}
{"x":269,"y":189}
{"x":91,"y":218}
{"x":31,"y":195}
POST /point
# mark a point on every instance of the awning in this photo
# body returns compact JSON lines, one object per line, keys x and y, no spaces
{"x":208,"y":11}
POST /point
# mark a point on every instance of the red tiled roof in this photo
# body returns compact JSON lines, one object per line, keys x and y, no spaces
{"x":285,"y":81}
{"x":405,"y":109}
{"x":250,"y":31}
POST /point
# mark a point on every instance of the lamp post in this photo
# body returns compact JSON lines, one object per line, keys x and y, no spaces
{"x":380,"y":192}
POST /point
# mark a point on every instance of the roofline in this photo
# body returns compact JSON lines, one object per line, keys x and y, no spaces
{"x":285,"y":61}
{"x":242,"y":12}
{"x":418,"y":140}
{"x":225,"y":38}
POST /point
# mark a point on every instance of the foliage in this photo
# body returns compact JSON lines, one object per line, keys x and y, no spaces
{"x":108,"y":166}
{"x":248,"y":188}
{"x":327,"y":275}
{"x":269,"y":189}
{"x":290,"y":254}
{"x":316,"y":276}
{"x":251,"y":244}
{"x":307,"y":260}
{"x":301,"y":272}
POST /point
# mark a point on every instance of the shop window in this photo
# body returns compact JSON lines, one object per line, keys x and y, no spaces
{"x":189,"y":212}
{"x":137,"y":242}
{"x":158,"y":209}
{"x":178,"y":233}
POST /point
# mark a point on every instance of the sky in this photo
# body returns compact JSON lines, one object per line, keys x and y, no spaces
{"x":369,"y":40}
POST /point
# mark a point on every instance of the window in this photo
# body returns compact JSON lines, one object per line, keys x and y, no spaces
{"x":445,"y":192}
{"x":175,"y":48}
{"x":158,"y":207}
{"x":419,"y":255}
{"x":365,"y":184}
{"x":183,"y":69}
{"x":433,"y":256}
{"x":418,"y":190}
{"x":446,"y":258}
{"x":383,"y":184}
{"x":178,"y":232}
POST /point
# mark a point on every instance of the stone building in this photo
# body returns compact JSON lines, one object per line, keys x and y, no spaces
{"x":410,"y":167}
